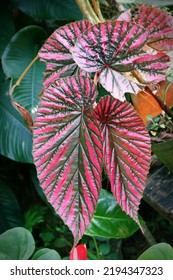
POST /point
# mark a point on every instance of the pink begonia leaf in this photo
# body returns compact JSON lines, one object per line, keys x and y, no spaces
{"x":117,"y":46}
{"x":67,"y":151}
{"x":158,"y":22}
{"x":126,"y":151}
{"x":152,"y":68}
{"x":116,"y":83}
{"x":56,"y":51}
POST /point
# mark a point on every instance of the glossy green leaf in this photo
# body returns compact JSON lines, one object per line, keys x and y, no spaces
{"x":48,"y":9}
{"x":10,"y":214}
{"x":7,"y":28}
{"x":160,"y":251}
{"x":15,"y":137}
{"x":19,"y":53}
{"x":46,"y":254}
{"x":16,"y":244}
{"x":109,"y":220}
{"x":164,"y":151}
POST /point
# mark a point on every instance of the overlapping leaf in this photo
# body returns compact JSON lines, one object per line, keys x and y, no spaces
{"x":126,"y":151}
{"x":21,"y":50}
{"x":117,"y":46}
{"x":56,"y":51}
{"x":158,"y":22}
{"x":109,"y":220}
{"x":68,"y":151}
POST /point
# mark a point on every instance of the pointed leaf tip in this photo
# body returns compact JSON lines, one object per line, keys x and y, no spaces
{"x":126,"y":151}
{"x":68,"y":151}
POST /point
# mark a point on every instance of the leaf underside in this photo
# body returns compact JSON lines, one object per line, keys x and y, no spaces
{"x":68,"y":151}
{"x":57,"y":51}
{"x":126,"y":152}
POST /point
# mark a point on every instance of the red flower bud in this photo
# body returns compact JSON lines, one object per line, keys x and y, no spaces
{"x":79,"y":253}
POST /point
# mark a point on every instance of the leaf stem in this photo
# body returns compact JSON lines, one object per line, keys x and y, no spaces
{"x":22,"y":75}
{"x":96,"y":6}
{"x":147,"y":234}
{"x":88,"y":11}
{"x":165,"y":91}
{"x":97,"y":249}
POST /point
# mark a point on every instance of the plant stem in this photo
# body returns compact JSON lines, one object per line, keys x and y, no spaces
{"x":147,"y":234}
{"x":97,"y":249}
{"x":88,"y":11}
{"x":23,"y":75}
{"x":96,"y":6}
{"x":165,"y":91}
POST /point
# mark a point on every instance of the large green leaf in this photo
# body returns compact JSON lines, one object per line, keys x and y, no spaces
{"x":7,"y":28}
{"x":50,"y":9}
{"x":109,"y":220}
{"x":10,"y":214}
{"x":15,"y":137}
{"x":19,"y":53}
{"x":160,"y":251}
{"x":16,"y":244}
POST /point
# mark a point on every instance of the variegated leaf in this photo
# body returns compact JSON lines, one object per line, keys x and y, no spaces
{"x":116,"y":83}
{"x":126,"y":151}
{"x":158,"y":22}
{"x":56,"y":51}
{"x":68,"y":151}
{"x":117,"y":47}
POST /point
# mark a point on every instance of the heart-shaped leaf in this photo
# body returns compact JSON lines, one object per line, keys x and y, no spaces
{"x":68,"y":151}
{"x":109,"y":220}
{"x":119,"y":47}
{"x":19,"y":53}
{"x":158,"y":22}
{"x":16,"y":244}
{"x":57,"y":51}
{"x":126,"y":151}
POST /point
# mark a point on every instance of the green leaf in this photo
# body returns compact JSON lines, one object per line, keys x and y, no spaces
{"x":164,"y":151}
{"x":7,"y":28}
{"x":109,"y":220}
{"x":160,"y":251}
{"x":19,"y":53}
{"x":16,"y":244}
{"x":46,"y":254}
{"x":10,"y":214}
{"x":15,"y":137}
{"x":48,"y":9}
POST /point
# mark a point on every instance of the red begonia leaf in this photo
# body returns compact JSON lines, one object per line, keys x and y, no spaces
{"x":158,"y":22}
{"x":67,"y":151}
{"x":117,"y":47}
{"x":126,"y":151}
{"x":56,"y":51}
